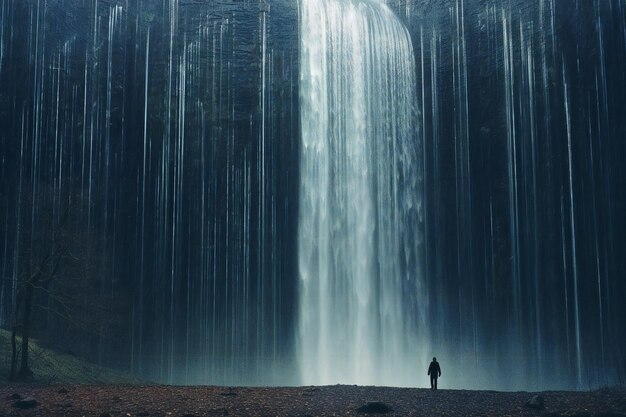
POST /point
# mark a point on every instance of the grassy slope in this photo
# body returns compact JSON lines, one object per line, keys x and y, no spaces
{"x":50,"y":366}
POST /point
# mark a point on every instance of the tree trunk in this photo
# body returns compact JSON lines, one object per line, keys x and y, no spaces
{"x":13,"y":375}
{"x":25,"y":372}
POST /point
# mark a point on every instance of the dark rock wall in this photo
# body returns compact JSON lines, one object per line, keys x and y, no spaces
{"x":170,"y":131}
{"x":522,"y":124}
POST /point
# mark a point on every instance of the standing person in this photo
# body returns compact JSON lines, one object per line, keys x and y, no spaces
{"x":434,"y":370}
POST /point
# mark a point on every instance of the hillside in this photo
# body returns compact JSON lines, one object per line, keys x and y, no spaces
{"x":51,"y":367}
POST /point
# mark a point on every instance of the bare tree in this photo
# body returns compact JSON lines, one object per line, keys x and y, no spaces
{"x":51,"y":253}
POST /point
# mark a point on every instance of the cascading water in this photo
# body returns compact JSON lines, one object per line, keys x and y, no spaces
{"x":170,"y":133}
{"x":358,"y":233}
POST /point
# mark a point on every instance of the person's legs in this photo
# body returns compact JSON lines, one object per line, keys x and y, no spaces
{"x":433,"y":382}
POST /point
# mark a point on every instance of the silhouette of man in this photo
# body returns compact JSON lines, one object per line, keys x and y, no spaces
{"x":434,"y":370}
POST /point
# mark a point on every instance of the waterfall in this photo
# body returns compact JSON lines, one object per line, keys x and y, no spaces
{"x":361,"y":303}
{"x":251,"y":204}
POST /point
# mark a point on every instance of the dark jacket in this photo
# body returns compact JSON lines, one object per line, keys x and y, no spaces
{"x":434,"y":369}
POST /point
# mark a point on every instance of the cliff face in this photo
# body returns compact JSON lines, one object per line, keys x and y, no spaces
{"x":520,"y":124}
{"x":171,"y":131}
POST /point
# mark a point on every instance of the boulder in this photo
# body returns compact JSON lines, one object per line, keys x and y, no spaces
{"x":25,"y":403}
{"x":309,"y":392}
{"x":217,"y":412}
{"x":230,"y":393}
{"x":374,"y":407}
{"x":536,"y":403}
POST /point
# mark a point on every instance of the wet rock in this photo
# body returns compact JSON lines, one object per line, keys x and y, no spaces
{"x":309,"y":392}
{"x":15,"y":396}
{"x":609,"y":414}
{"x":575,"y":414}
{"x":106,"y":415}
{"x":217,"y":412}
{"x":374,"y":407}
{"x":25,"y":403}
{"x":536,"y":403}
{"x":63,"y":391}
{"x":229,"y":393}
{"x":214,"y":412}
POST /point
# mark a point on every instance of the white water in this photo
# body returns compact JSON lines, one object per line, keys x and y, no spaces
{"x":359,"y":251}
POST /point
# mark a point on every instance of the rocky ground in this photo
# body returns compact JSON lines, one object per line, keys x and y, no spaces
{"x":340,"y":400}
